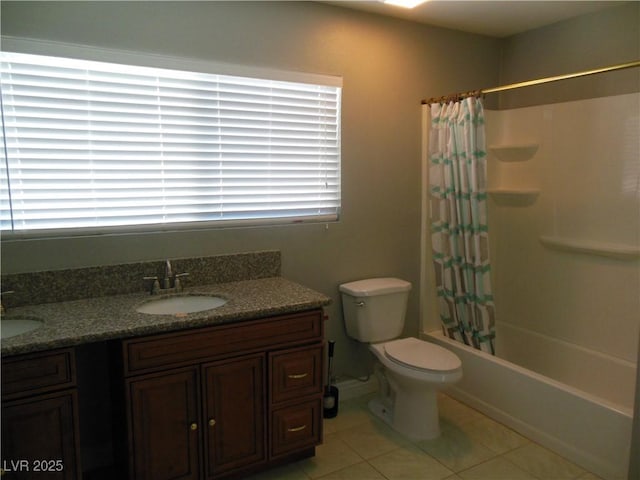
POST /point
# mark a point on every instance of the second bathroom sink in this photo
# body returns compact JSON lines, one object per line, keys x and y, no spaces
{"x":181,"y":304}
{"x":10,"y":327}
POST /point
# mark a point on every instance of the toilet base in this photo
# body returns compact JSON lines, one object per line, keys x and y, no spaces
{"x":416,"y":417}
{"x":382,"y":411}
{"x":416,"y":413}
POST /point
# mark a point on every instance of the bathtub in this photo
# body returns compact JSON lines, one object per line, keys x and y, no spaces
{"x":589,"y":431}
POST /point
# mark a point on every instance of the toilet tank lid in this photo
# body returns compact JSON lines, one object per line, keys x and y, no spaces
{"x":375,"y":286}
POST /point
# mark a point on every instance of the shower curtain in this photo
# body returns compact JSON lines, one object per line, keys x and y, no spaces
{"x":458,"y":215}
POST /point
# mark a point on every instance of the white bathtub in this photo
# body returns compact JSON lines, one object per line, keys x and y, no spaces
{"x":589,"y":431}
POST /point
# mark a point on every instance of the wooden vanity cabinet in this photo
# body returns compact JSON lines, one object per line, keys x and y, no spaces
{"x":226,"y":400}
{"x":40,"y":416}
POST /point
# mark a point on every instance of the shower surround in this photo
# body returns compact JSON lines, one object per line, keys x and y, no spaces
{"x":564,"y":226}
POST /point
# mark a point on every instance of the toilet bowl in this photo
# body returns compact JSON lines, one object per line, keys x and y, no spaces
{"x":409,"y":371}
{"x":415,"y":371}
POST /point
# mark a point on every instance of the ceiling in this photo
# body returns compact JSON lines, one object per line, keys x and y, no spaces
{"x":500,"y":18}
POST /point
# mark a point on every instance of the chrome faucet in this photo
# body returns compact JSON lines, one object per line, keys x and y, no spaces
{"x":168,"y":275}
{"x":171,"y":282}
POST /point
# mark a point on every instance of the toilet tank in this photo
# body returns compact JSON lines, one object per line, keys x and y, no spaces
{"x":374,"y":308}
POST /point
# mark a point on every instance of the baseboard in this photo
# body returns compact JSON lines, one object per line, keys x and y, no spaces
{"x":352,"y":388}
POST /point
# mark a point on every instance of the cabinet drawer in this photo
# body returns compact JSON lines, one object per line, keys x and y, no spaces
{"x":296,"y":427}
{"x":38,"y":373}
{"x":203,"y":344}
{"x":296,"y":373}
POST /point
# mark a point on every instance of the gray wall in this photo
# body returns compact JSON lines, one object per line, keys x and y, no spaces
{"x":601,"y":39}
{"x":387,"y":65}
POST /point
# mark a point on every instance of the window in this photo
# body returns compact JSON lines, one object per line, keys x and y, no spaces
{"x":94,"y":146}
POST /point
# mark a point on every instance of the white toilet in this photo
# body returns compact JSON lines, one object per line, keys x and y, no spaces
{"x":410,"y":371}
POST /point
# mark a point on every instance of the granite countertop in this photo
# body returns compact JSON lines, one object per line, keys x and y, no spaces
{"x":104,"y":318}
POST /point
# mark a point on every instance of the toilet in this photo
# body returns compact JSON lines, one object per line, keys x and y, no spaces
{"x":410,"y":371}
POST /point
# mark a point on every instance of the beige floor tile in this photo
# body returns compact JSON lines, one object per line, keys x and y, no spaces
{"x":472,"y":447}
{"x":372,"y":439}
{"x":543,"y":463}
{"x":350,"y":414}
{"x":496,"y":469}
{"x":331,"y":456}
{"x":359,"y":471}
{"x":287,"y":472}
{"x":456,"y":449}
{"x":589,"y":476}
{"x":454,"y":412}
{"x":409,"y":464}
{"x":494,"y":435}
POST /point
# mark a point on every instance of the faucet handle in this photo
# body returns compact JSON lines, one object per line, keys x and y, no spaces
{"x":155,"y":287}
{"x":177,"y":282}
{"x":3,"y":310}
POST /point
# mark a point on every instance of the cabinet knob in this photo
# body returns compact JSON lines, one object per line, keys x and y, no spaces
{"x":212,"y":422}
{"x":193,"y":426}
{"x":297,"y":375}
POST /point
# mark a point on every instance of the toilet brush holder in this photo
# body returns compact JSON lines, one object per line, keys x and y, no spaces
{"x":330,"y":396}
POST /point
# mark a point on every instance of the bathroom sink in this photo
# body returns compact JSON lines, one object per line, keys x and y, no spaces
{"x":11,"y":327}
{"x":181,"y":304}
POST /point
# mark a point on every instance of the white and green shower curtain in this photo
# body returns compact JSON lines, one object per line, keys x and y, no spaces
{"x":458,"y":216}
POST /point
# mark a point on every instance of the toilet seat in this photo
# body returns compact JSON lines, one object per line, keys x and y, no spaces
{"x":421,"y":355}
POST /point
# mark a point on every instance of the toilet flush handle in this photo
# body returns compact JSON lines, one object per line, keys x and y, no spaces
{"x":360,"y":303}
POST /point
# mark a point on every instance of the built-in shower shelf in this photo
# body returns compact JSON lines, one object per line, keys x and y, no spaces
{"x":603,"y":249}
{"x":514,"y":152}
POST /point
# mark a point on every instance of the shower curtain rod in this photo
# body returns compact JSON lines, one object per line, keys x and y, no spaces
{"x":529,"y":83}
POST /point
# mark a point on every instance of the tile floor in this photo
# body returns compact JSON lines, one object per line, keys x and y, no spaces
{"x":358,"y":446}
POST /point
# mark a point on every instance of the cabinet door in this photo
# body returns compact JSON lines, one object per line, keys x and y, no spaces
{"x":164,"y":425}
{"x":39,"y":437}
{"x":234,"y":414}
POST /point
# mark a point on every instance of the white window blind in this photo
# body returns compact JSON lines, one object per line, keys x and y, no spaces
{"x":93,"y":145}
